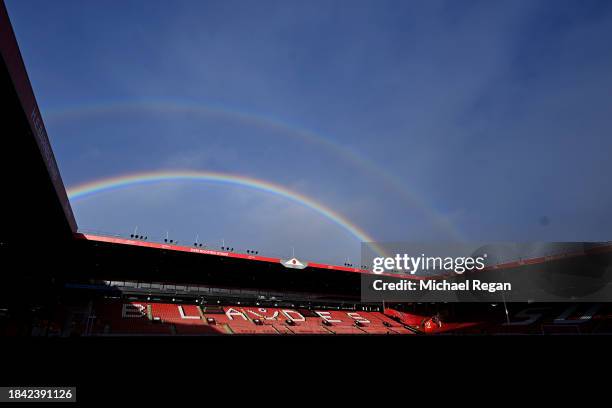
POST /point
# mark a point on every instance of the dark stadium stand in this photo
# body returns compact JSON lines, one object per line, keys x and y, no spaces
{"x":118,"y":318}
{"x":115,"y":317}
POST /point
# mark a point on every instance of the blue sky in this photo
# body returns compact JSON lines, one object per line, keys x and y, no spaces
{"x":489,"y":119}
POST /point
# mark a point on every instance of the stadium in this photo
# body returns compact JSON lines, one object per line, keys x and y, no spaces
{"x":67,"y":282}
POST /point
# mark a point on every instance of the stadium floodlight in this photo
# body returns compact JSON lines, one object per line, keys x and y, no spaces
{"x":167,"y":239}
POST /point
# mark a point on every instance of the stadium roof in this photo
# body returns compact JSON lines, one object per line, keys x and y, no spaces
{"x":34,"y":198}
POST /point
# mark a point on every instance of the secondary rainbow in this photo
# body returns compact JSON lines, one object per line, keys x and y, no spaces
{"x":87,"y":189}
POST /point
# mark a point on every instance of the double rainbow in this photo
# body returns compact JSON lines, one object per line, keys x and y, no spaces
{"x":342,"y":151}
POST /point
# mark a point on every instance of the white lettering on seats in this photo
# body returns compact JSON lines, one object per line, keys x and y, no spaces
{"x":183,"y":316}
{"x":297,"y":316}
{"x":131,"y":310}
{"x":231,"y":312}
{"x":357,"y":317}
{"x":263,"y":316}
{"x":327,"y":316}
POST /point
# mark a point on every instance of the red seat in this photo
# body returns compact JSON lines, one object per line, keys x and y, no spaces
{"x":178,"y":314}
{"x":309,"y":329}
{"x":200,"y":330}
{"x":346,"y":330}
{"x":116,"y":317}
{"x":128,"y":318}
{"x":251,"y":328}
